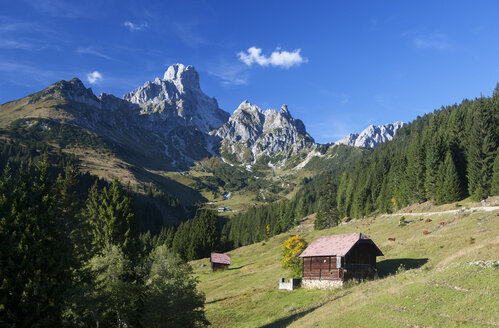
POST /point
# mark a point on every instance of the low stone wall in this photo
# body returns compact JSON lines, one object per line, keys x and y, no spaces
{"x":321,"y":284}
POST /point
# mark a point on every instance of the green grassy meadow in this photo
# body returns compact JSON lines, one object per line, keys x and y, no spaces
{"x":425,"y":280}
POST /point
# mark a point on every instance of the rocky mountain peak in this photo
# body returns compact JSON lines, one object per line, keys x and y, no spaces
{"x":284,"y":110}
{"x":371,"y":136}
{"x":183,"y":77}
{"x":74,"y":90}
{"x":178,"y":97}
{"x":246,"y":106}
{"x":251,"y":133}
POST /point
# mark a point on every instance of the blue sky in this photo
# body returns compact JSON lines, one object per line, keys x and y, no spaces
{"x":338,"y":66}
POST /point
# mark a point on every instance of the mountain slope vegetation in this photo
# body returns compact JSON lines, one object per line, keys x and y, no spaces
{"x":442,"y":157}
{"x":445,"y":278}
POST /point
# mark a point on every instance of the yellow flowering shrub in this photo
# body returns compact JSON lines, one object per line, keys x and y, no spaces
{"x":291,"y":249}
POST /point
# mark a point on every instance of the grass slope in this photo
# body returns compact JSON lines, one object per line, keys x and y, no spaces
{"x":425,"y":280}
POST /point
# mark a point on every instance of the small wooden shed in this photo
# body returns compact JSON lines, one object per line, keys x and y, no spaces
{"x":219,"y":261}
{"x":331,"y":260}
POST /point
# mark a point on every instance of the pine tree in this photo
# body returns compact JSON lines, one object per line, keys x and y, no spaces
{"x":181,"y":241}
{"x":112,"y":218}
{"x":434,"y":157}
{"x":326,"y":218}
{"x":383,"y":202}
{"x":397,"y":180}
{"x":495,"y":175}
{"x":448,"y":186}
{"x":299,"y":211}
{"x":204,"y":236}
{"x":415,"y":172}
{"x":482,"y":149}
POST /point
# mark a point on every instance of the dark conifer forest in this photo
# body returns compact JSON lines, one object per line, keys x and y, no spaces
{"x":71,"y":253}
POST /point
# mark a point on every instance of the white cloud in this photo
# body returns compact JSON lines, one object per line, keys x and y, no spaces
{"x":433,"y":40}
{"x":230,"y":74}
{"x":13,"y":44}
{"x":94,"y":52}
{"x":281,"y":58}
{"x":94,"y":77}
{"x":134,"y":27}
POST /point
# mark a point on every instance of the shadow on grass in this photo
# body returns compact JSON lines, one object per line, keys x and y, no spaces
{"x":219,"y":300}
{"x":284,"y":322}
{"x":240,"y":267}
{"x":389,"y":267}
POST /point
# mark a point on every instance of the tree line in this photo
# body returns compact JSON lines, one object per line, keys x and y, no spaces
{"x":443,"y":157}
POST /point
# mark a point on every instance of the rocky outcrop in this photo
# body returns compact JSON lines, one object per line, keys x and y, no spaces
{"x":178,"y":96}
{"x":372,"y":136}
{"x":251,"y":133}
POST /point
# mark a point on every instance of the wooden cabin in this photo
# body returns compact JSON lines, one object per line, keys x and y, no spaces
{"x":219,"y":261}
{"x":329,"y":261}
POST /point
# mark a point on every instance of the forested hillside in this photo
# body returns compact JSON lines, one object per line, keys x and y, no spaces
{"x":72,"y":256}
{"x":444,"y":156}
{"x":314,"y":195}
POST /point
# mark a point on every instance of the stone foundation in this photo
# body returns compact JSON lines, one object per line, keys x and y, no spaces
{"x":321,"y":284}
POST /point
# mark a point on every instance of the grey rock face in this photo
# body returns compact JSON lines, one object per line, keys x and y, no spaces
{"x":172,"y":121}
{"x":251,"y":133}
{"x":178,"y":96}
{"x":371,"y":136}
{"x":74,"y":90}
{"x":174,"y":143}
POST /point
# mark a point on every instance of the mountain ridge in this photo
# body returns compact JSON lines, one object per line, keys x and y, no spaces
{"x":260,"y":132}
{"x":371,"y":136}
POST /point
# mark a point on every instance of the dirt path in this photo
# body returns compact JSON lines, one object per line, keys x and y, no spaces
{"x":459,"y":211}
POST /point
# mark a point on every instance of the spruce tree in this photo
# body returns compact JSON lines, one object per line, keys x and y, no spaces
{"x":181,"y":241}
{"x":448,"y":186}
{"x":495,"y":176}
{"x":112,"y":218}
{"x":208,"y":233}
{"x":415,"y":172}
{"x":482,"y":150}
{"x":434,"y":157}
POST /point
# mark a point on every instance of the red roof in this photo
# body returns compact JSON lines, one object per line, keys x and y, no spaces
{"x":336,"y":245}
{"x":220,"y":258}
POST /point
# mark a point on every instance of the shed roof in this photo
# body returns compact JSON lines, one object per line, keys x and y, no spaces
{"x":336,"y":245}
{"x":220,"y":258}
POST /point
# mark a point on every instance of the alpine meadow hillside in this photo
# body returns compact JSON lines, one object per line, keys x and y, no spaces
{"x":447,"y":277}
{"x":105,"y":200}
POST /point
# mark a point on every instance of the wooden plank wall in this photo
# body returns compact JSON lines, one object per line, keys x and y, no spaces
{"x":218,"y":266}
{"x":321,"y":267}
